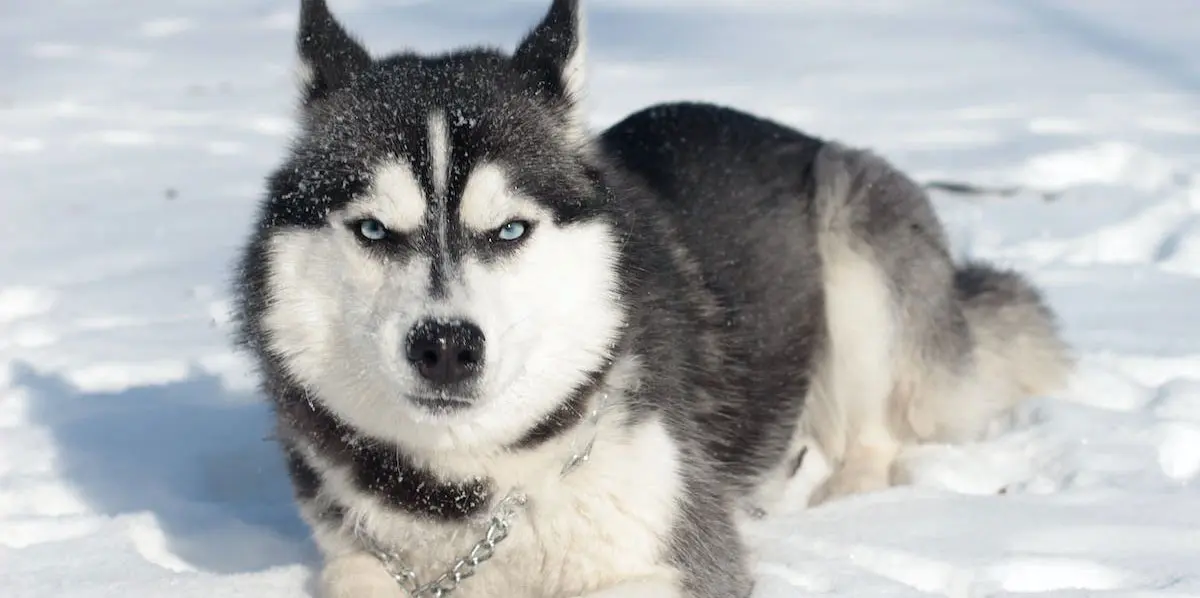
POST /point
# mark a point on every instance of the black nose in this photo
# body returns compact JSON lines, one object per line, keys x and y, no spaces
{"x":446,"y":352}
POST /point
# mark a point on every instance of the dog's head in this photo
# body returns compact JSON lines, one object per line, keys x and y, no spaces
{"x":436,"y":260}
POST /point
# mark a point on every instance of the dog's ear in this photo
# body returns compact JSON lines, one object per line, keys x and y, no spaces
{"x":552,"y":60}
{"x":329,"y":57}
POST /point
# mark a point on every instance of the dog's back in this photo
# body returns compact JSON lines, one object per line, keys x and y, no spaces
{"x":840,"y":291}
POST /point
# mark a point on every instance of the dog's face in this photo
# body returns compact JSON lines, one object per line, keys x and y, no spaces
{"x":439,"y":268}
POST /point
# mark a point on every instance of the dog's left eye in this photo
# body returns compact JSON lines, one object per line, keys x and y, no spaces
{"x":512,"y":231}
{"x":372,"y":230}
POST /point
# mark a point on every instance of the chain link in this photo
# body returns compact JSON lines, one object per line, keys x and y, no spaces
{"x":499,"y":525}
{"x":591,"y":423}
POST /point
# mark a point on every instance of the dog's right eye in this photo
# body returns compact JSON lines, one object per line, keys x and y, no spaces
{"x":370,"y":229}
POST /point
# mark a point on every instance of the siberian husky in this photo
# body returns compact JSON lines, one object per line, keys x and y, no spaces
{"x":513,"y":358}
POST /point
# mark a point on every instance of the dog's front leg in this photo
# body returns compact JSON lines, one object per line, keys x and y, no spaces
{"x":357,"y":575}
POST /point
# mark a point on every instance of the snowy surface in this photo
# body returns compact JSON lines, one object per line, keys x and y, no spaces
{"x":134,"y":135}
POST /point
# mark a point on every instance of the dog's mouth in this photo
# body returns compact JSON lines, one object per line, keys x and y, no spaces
{"x":441,"y":404}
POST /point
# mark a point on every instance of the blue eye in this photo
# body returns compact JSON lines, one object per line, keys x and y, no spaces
{"x":372,"y":230}
{"x":512,"y":231}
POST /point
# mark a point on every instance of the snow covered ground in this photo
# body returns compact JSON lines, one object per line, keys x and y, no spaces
{"x":134,"y":135}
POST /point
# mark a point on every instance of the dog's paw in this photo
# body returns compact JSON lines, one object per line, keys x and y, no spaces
{"x":864,"y":468}
{"x":850,"y":480}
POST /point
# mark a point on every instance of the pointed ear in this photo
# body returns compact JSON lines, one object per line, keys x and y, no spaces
{"x":552,"y":58}
{"x":329,"y":57}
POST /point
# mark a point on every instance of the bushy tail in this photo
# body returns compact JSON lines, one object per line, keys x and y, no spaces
{"x":1018,"y":346}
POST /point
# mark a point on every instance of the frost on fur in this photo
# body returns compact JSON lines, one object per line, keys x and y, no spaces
{"x":329,"y":57}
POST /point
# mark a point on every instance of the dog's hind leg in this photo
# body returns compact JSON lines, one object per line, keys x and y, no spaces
{"x":917,"y":349}
{"x":847,"y":408}
{"x":893,"y":325}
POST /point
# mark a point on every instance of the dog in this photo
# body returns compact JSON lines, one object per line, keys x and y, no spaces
{"x":509,"y":357}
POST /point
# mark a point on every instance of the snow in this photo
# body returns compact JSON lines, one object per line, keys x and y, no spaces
{"x":135,"y":135}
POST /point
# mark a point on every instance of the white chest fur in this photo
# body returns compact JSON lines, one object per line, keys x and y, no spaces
{"x":605,"y":523}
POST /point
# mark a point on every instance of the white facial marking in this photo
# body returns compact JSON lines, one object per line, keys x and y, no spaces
{"x":439,"y":153}
{"x":394,"y":198}
{"x":488,"y":202}
{"x":439,"y":166}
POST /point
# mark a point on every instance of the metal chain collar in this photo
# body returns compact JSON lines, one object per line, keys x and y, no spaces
{"x":499,"y":524}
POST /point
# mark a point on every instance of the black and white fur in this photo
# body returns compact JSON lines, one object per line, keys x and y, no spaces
{"x":449,"y":271}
